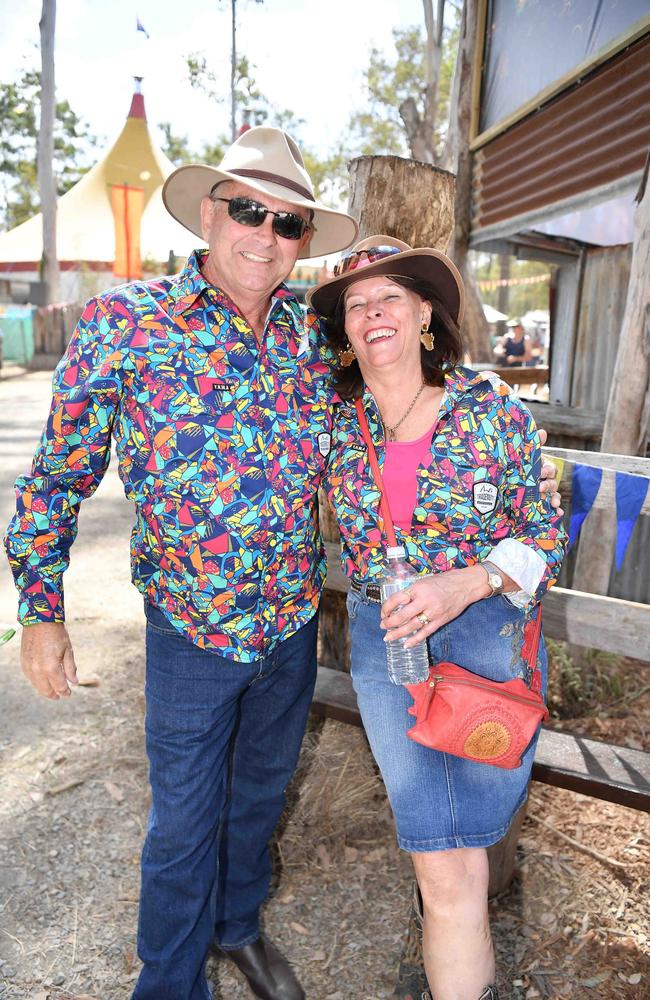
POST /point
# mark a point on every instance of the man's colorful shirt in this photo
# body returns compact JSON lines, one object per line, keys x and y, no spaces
{"x":221,"y":444}
{"x":477,"y":492}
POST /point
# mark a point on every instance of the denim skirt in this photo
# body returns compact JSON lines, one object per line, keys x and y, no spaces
{"x":440,"y":801}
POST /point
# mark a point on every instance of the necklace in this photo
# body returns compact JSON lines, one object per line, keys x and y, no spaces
{"x":390,"y":431}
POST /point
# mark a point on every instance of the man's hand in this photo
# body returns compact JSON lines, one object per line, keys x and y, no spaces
{"x":548,"y":482}
{"x":47,"y":659}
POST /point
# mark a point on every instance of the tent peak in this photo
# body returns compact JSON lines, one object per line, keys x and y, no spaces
{"x":137,"y":101}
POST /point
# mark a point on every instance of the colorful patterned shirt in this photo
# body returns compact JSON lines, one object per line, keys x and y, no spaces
{"x":477,"y":491}
{"x":221,"y":444}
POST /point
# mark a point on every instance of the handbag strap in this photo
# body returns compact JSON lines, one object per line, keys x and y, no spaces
{"x":532,"y":634}
{"x":376,"y":474}
{"x":532,"y":628}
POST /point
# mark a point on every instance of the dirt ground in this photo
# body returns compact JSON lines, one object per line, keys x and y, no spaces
{"x":573,"y":925}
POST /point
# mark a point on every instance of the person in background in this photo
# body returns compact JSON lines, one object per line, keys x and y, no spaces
{"x":515,"y":349}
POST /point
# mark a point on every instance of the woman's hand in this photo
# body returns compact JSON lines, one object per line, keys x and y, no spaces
{"x":431,"y":602}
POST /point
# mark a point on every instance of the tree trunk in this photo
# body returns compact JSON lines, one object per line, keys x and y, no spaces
{"x":420,"y":130}
{"x":627,"y":419}
{"x":475,"y":328}
{"x":46,"y":182}
{"x":233,"y":70}
{"x":411,"y":201}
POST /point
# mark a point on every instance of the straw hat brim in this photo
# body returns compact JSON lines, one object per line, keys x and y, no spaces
{"x":423,"y":263}
{"x":184,"y":189}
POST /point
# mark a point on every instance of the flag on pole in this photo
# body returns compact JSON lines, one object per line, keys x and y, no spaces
{"x":140,"y":27}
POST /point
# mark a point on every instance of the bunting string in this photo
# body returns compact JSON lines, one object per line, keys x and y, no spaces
{"x":631,"y":492}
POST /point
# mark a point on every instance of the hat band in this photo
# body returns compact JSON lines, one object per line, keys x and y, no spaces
{"x":265,"y":175}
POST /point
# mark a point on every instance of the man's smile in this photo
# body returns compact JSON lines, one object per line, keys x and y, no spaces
{"x":249,"y":255}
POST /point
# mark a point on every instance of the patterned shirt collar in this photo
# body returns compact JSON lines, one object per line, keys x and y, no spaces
{"x":190,"y":284}
{"x":457,"y":381}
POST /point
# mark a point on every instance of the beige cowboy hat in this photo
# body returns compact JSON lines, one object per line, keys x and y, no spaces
{"x":386,"y":255}
{"x":269,"y":161}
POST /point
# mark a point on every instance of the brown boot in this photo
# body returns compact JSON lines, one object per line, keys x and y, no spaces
{"x":411,"y":978}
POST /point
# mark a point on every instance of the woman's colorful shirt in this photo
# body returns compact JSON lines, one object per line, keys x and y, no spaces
{"x":221,"y":445}
{"x":477,"y":492}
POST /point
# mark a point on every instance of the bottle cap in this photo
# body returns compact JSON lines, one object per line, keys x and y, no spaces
{"x":395,"y":551}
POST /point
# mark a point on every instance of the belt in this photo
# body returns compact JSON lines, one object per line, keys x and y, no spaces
{"x":372,"y":592}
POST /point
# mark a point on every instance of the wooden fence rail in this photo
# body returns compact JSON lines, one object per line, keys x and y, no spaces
{"x":607,"y":623}
{"x":633,"y":465}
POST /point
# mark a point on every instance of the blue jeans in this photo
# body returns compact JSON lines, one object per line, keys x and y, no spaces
{"x":440,"y":801}
{"x":223,"y":739}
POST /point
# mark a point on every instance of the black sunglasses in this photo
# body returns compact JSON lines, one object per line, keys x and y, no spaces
{"x":251,"y":213}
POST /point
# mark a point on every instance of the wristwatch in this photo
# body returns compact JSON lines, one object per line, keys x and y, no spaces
{"x":495,"y":578}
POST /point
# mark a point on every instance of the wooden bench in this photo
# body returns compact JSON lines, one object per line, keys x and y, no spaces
{"x":601,"y":770}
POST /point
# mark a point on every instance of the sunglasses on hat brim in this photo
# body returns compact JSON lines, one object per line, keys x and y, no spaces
{"x":248,"y":212}
{"x":360,"y":258}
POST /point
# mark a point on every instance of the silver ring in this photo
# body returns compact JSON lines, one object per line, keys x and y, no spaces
{"x":423,"y":618}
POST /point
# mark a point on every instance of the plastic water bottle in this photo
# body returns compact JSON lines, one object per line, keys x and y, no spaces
{"x":405,"y":666}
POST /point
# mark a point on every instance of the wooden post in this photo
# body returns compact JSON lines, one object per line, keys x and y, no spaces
{"x":407,"y":199}
{"x":627,"y":420}
{"x":501,"y":856}
{"x":475,"y":328}
{"x":333,"y":635}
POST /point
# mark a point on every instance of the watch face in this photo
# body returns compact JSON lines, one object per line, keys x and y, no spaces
{"x":495,"y":581}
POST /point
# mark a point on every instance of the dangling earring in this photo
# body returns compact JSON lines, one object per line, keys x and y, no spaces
{"x":347,"y":355}
{"x":426,"y":337}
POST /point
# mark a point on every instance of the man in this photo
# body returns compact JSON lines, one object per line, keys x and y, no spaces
{"x":212,"y":385}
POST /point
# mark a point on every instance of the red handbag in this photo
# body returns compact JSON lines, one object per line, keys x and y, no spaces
{"x":460,"y":712}
{"x":491,"y":722}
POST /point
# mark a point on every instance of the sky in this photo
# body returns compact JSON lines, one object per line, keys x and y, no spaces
{"x":308,"y":55}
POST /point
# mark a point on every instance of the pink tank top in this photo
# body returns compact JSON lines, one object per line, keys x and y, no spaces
{"x":400,"y":476}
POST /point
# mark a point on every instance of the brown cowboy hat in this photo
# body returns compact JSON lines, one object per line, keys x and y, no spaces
{"x":269,"y":161}
{"x":386,"y":255}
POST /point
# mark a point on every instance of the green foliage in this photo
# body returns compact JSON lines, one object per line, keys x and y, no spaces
{"x":177,"y":148}
{"x":390,"y":81}
{"x":579,"y":689}
{"x":250,"y":98}
{"x":19,"y":113}
{"x":522,"y":297}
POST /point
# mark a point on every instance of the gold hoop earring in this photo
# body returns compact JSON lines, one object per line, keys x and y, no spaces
{"x":426,"y":337}
{"x":347,"y":355}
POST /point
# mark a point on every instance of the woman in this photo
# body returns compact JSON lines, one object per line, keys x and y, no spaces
{"x":515,"y":348}
{"x":460,"y":460}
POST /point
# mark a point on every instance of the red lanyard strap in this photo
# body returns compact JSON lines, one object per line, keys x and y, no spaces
{"x":376,"y":473}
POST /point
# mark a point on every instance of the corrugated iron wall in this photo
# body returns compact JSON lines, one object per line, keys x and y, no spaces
{"x":596,"y":132}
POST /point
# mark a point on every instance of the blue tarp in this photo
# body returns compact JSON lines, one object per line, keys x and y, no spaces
{"x":17,"y":332}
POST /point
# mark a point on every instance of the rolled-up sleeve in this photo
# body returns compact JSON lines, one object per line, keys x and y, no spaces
{"x":532,"y":554}
{"x":68,"y":465}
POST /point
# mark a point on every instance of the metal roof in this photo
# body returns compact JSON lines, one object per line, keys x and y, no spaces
{"x":591,"y":135}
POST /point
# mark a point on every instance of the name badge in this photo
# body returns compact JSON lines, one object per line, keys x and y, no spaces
{"x":324,"y":443}
{"x":485,"y":497}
